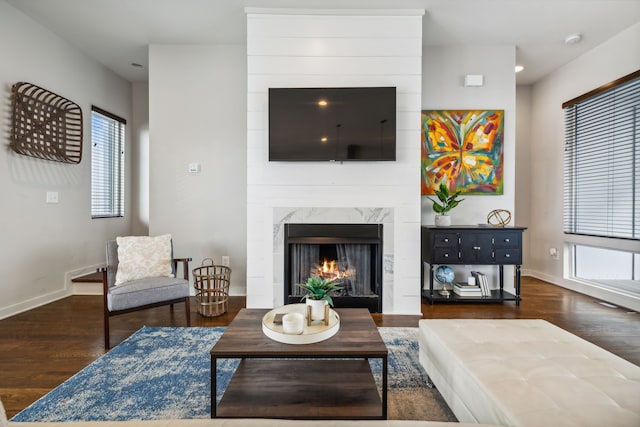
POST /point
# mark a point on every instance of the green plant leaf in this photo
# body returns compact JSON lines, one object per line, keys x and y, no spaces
{"x":446,"y":200}
{"x":453,"y":204}
{"x":319,"y":288}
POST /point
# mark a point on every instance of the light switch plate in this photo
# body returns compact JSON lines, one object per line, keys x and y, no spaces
{"x":52,"y":197}
{"x":473,"y":80}
{"x":194,"y":167}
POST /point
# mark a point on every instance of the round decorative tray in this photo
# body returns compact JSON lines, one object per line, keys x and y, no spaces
{"x":317,"y":332}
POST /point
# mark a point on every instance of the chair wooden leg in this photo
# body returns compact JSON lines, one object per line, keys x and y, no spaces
{"x":107,"y":343}
{"x":105,"y":307}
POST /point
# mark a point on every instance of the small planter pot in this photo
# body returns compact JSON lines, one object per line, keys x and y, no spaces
{"x":443,"y":220}
{"x":317,"y":308}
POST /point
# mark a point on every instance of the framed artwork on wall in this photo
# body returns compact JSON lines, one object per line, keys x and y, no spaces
{"x":464,"y":148}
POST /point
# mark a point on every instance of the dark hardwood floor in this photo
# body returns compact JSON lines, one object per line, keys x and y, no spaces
{"x":41,"y":348}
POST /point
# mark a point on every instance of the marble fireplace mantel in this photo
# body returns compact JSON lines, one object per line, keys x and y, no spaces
{"x":314,"y":215}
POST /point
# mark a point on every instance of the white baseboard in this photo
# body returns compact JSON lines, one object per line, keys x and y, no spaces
{"x":69,"y":289}
{"x":33,"y":303}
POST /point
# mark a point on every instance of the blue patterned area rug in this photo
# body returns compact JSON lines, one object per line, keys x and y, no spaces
{"x":164,"y":373}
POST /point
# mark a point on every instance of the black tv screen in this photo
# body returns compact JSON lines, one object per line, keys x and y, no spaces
{"x":335,"y":124}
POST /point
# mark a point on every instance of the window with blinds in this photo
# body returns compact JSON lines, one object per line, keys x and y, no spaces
{"x":107,"y":164}
{"x":602,"y":157}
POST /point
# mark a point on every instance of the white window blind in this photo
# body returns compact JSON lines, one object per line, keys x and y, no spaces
{"x":602,"y":157}
{"x":107,"y":164}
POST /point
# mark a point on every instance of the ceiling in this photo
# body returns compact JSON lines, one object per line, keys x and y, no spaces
{"x":117,"y":33}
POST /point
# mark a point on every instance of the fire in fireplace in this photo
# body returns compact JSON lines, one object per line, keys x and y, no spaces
{"x":351,"y":254}
{"x":331,"y":270}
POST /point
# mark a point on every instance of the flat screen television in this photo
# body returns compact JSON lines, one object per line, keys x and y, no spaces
{"x":332,"y":124}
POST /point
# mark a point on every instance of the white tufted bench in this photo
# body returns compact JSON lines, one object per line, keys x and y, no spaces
{"x":527,"y":373}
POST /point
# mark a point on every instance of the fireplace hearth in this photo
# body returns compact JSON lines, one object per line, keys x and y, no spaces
{"x":348,"y":253}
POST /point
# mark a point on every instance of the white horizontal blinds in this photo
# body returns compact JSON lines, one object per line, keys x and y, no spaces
{"x":107,"y":164}
{"x":602,"y":157}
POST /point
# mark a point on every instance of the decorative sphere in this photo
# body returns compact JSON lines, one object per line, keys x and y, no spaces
{"x":499,"y":217}
{"x":444,"y":274}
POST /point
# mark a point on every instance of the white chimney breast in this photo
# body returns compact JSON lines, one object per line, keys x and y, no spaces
{"x":334,"y":192}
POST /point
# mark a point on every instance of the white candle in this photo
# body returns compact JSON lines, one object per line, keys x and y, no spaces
{"x":293,"y":323}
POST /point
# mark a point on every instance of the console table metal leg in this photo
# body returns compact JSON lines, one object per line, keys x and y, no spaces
{"x":518,"y":284}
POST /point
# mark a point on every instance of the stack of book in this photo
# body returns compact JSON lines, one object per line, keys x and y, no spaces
{"x":482,"y":282}
{"x":464,"y":289}
{"x":479,"y":289}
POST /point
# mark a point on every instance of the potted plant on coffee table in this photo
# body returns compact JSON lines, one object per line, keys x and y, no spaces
{"x":445,"y":203}
{"x":319,"y":290}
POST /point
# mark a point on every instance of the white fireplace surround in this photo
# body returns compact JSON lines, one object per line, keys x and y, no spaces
{"x":310,"y":48}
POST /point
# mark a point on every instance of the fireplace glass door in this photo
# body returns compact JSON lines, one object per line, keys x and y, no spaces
{"x":350,"y":265}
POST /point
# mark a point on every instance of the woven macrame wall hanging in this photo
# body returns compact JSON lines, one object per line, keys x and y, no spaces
{"x":45,"y":125}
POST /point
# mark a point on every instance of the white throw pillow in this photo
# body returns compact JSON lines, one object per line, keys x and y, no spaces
{"x":140,"y":257}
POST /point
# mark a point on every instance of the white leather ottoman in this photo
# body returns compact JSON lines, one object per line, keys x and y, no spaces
{"x":527,"y":373}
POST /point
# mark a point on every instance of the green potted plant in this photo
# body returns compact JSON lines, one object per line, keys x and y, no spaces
{"x":319,"y":290}
{"x":445,"y":203}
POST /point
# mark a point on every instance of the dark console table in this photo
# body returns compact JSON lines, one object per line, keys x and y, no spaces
{"x":472,"y":245}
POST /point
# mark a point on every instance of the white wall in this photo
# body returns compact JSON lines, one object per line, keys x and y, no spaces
{"x":140,"y":160}
{"x":613,"y":59}
{"x":302,"y":49}
{"x":524,"y":179}
{"x":44,"y":244}
{"x":197,"y":114}
{"x":443,"y":88}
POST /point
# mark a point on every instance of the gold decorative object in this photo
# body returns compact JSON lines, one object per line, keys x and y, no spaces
{"x":499,"y":217}
{"x":326,"y":315}
{"x":45,"y":125}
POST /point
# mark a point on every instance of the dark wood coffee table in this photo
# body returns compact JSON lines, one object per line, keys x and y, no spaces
{"x":331,"y":379}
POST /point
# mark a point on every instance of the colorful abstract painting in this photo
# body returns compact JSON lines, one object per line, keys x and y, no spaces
{"x":464,"y":148}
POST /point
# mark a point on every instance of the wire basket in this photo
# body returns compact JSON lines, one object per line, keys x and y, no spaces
{"x":212,"y":288}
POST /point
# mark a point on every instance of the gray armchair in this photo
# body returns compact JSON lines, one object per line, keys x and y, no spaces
{"x":142,"y":293}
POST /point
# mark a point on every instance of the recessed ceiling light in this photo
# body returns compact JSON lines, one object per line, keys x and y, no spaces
{"x":519,"y":68}
{"x":573,"y":38}
{"x":323,"y":103}
{"x":136,"y":65}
